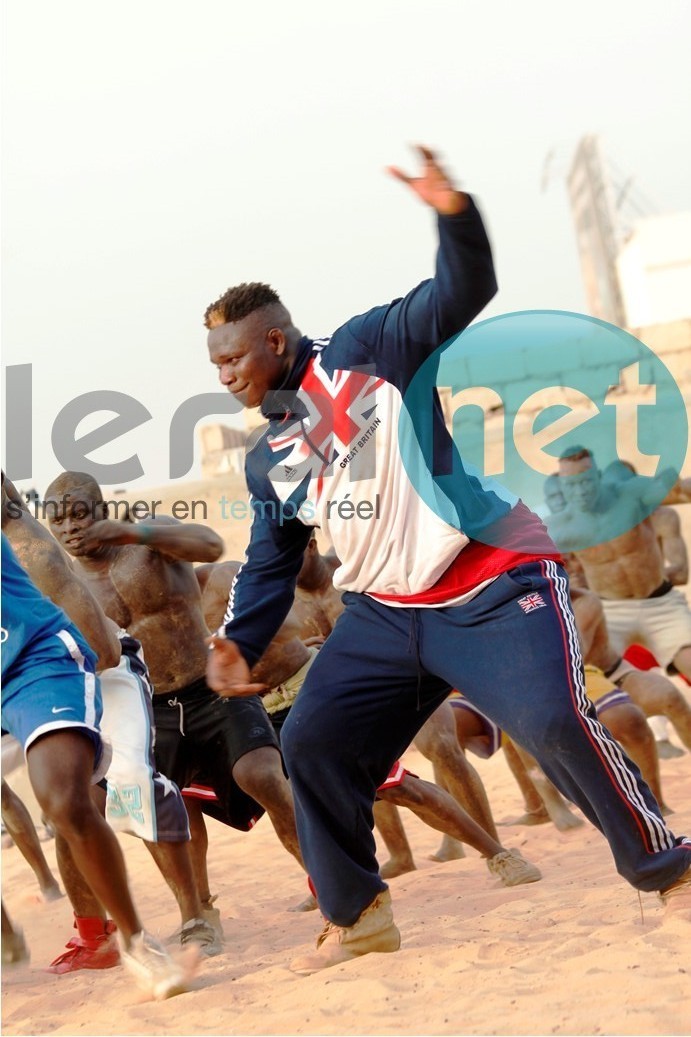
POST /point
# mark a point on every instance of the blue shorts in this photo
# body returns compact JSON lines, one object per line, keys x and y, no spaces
{"x":51,"y":688}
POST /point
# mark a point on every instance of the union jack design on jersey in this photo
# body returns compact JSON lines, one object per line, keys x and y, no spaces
{"x":530,"y":602}
{"x":334,"y":412}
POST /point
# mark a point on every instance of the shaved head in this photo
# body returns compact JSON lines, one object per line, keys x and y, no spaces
{"x":71,"y":482}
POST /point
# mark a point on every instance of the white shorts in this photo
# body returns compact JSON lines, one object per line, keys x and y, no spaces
{"x":661,"y":624}
{"x":140,"y":800}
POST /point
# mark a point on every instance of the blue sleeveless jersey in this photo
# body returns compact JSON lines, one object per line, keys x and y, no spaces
{"x":28,"y":617}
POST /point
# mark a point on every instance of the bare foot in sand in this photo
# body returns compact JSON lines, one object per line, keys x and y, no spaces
{"x":565,"y":821}
{"x":667,"y":750}
{"x":450,"y":850}
{"x":531,"y":817}
{"x":51,"y":893}
{"x":395,"y":866}
{"x":561,"y":817}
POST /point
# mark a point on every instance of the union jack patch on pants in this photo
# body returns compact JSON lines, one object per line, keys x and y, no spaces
{"x":530,"y":602}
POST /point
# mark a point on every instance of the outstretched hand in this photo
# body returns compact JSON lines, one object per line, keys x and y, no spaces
{"x":227,"y":672}
{"x":433,"y":187}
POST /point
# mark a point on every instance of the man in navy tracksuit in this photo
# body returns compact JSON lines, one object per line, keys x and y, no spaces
{"x":480,"y":603}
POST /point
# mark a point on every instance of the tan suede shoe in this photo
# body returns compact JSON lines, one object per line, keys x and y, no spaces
{"x":374,"y":931}
{"x":677,"y":898}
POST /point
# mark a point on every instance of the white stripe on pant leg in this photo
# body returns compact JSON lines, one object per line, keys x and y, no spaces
{"x":89,"y":677}
{"x":610,"y":750}
{"x":660,"y":836}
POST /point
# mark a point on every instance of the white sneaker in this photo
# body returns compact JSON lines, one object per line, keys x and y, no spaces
{"x":152,"y":967}
{"x":203,"y":936}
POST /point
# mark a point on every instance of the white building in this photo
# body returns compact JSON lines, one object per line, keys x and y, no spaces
{"x":654,"y":270}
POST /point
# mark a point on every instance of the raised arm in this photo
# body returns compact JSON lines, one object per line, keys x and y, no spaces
{"x":180,"y":541}
{"x":433,"y":186}
{"x":651,"y":489}
{"x":411,"y":328}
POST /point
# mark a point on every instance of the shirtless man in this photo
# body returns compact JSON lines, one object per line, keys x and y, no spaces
{"x":143,"y":577}
{"x":627,"y":572}
{"x":139,"y":800}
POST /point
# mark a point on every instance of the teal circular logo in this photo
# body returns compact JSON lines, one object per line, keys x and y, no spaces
{"x":519,"y":392}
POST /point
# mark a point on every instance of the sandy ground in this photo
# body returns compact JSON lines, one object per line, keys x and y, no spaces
{"x":573,"y":954}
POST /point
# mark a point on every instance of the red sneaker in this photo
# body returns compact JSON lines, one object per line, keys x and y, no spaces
{"x":92,"y":952}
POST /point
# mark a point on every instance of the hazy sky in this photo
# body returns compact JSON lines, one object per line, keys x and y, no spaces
{"x":157,"y":152}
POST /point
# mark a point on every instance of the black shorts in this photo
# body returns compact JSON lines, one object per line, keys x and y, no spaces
{"x":201,"y":736}
{"x":278,"y":719}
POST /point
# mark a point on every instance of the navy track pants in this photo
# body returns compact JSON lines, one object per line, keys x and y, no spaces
{"x":513,"y":651}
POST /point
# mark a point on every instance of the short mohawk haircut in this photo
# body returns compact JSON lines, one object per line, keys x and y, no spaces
{"x":238,"y":302}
